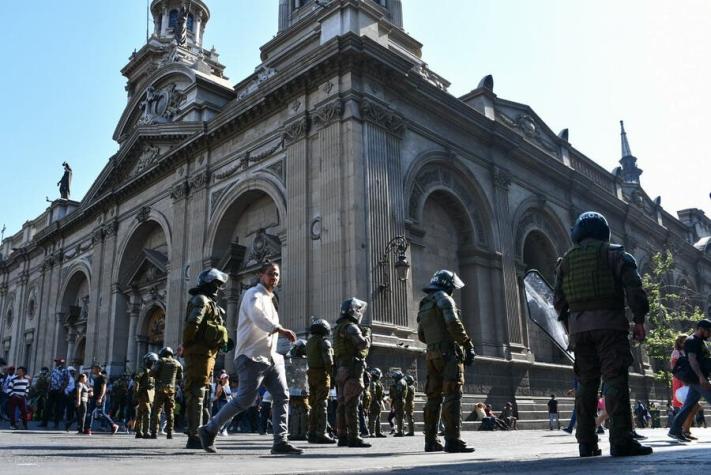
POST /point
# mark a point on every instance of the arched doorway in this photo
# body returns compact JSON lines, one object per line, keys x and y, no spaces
{"x":73,"y":317}
{"x":142,"y":282}
{"x":540,"y":254}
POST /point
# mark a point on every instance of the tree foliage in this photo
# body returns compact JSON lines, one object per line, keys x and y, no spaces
{"x":671,"y":313}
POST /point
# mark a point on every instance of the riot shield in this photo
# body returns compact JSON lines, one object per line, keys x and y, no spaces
{"x":539,"y":298}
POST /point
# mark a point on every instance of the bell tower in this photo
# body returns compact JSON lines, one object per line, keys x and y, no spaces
{"x":292,"y":11}
{"x":180,"y":21}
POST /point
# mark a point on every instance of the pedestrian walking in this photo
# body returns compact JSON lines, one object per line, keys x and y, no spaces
{"x":694,"y":370}
{"x":98,"y":400}
{"x":81,"y":403}
{"x":19,"y":387}
{"x":56,"y":399}
{"x":258,"y":362}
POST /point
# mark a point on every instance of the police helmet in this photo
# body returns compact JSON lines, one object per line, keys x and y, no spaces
{"x":590,"y":224}
{"x":149,"y":359}
{"x":397,"y":375}
{"x":444,"y":280}
{"x":353,"y":309}
{"x":376,"y":373}
{"x":319,"y":326}
{"x":212,"y":276}
{"x":409,"y":379}
{"x":165,"y":352}
{"x":299,"y":349}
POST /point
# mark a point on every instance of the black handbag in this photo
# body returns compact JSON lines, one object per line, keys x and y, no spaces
{"x":682,"y":370}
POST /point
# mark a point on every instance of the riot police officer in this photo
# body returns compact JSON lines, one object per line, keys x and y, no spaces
{"x":592,"y":280}
{"x":449,"y":349}
{"x":144,"y":392}
{"x":203,"y":336}
{"x":351,"y":342}
{"x":167,"y":372}
{"x":398,"y":397}
{"x":410,"y":405}
{"x":376,"y":403}
{"x":319,"y":357}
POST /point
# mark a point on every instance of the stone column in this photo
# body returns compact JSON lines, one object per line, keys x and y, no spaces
{"x":283,"y":15}
{"x":502,"y":182}
{"x":133,"y":314}
{"x":57,"y":332}
{"x":382,"y":131}
{"x":164,"y":22}
{"x":196,"y":222}
{"x":198,"y":29}
{"x":329,"y":230}
{"x":232,"y":316}
{"x":176,"y":293}
{"x":295,"y":268}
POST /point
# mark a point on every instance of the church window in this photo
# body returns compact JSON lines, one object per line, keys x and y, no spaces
{"x":191,"y":23}
{"x":173,"y":19}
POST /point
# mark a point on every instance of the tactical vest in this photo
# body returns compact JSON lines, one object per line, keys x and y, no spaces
{"x":399,"y":389}
{"x":588,"y":281}
{"x":343,"y":346}
{"x":166,"y":373}
{"x":145,"y":381}
{"x":314,"y":352}
{"x":432,"y":324}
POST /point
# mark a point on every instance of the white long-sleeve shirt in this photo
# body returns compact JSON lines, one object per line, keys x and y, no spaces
{"x":258,"y":324}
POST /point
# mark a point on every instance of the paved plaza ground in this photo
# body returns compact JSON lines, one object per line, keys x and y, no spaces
{"x":527,"y":452}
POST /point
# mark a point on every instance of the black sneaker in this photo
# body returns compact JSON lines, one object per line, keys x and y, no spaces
{"x":285,"y":448}
{"x":193,"y":443}
{"x":589,"y":450}
{"x":207,"y":440}
{"x":381,"y":436}
{"x":169,"y":435}
{"x":342,"y":441}
{"x":630,"y":449}
{"x":320,"y":439}
{"x":457,"y":446}
{"x":139,"y":435}
{"x":434,"y":446}
{"x":679,"y":437}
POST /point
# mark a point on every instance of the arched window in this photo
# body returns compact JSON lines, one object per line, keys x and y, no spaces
{"x":173,"y":19}
{"x":191,"y":23}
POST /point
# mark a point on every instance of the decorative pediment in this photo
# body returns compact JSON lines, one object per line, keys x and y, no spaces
{"x":151,"y":267}
{"x":527,"y":123}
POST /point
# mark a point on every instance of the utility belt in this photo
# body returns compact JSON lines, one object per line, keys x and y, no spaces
{"x":445,"y":350}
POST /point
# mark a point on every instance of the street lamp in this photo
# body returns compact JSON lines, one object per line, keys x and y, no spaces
{"x":398,"y":246}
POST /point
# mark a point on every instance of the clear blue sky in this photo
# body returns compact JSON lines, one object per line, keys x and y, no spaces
{"x":582,"y":64}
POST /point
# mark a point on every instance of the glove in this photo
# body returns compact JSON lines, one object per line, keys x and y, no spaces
{"x":229,"y":346}
{"x":469,"y":355}
{"x":365,"y":331}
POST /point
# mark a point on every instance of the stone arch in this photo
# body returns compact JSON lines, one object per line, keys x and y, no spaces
{"x":229,"y":202}
{"x":140,"y":279}
{"x":73,"y":312}
{"x":433,"y":171}
{"x":532,"y":215}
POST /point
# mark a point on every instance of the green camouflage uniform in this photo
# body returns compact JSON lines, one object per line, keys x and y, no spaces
{"x":319,"y":357}
{"x":376,"y":405}
{"x":592,"y":281}
{"x":144,"y":392}
{"x":410,"y":409}
{"x":440,"y":328}
{"x":398,"y":396}
{"x":350,"y":345}
{"x":203,"y":336}
{"x":167,"y":372}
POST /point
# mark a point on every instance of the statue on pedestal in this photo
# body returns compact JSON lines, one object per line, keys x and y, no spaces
{"x":65,"y":182}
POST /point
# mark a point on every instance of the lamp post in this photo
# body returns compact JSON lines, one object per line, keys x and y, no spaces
{"x":398,"y":246}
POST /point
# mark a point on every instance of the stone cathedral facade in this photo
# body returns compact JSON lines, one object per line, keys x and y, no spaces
{"x":341,"y":140}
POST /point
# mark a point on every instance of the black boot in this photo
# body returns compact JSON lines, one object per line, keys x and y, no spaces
{"x":589,"y":450}
{"x":631,"y":448}
{"x":358,"y":442}
{"x":193,"y":443}
{"x":153,"y":436}
{"x":434,"y":446}
{"x":139,"y":435}
{"x":343,"y":441}
{"x":169,"y":435}
{"x":457,"y":445}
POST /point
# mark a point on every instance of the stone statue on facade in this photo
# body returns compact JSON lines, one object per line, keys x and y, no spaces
{"x":65,"y":182}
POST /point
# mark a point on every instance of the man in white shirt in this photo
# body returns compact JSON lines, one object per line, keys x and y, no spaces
{"x":258,"y":363}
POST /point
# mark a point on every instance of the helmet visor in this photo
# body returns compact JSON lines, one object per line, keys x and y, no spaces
{"x":457,"y":283}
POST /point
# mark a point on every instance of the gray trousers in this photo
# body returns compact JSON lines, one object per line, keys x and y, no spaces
{"x":251,"y":376}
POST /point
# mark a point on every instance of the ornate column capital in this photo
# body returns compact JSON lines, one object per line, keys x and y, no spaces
{"x":328,"y":113}
{"x":199,"y":181}
{"x":296,"y":130}
{"x":382,"y":116}
{"x":180,"y":191}
{"x":502,"y":178}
